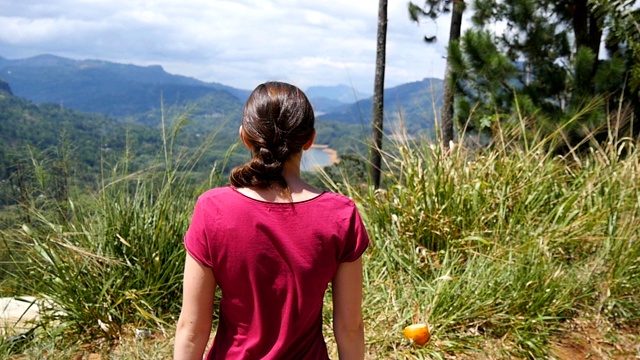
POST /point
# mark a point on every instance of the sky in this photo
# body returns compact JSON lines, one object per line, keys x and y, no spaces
{"x":238,"y":43}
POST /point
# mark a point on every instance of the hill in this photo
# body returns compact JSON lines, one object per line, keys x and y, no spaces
{"x":413,"y":104}
{"x":28,"y":128}
{"x":62,"y":143}
{"x":136,"y":92}
{"x":109,"y":88}
{"x":4,"y":87}
{"x":47,"y":135}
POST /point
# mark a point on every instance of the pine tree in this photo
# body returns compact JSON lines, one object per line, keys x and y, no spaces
{"x":546,"y":57}
{"x":622,"y":19}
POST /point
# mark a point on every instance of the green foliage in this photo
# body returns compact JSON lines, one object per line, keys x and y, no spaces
{"x":479,"y":73}
{"x":114,"y":265}
{"x":498,"y":249}
{"x":351,"y":170}
{"x":81,"y":141}
{"x":622,"y":18}
{"x":548,"y":58}
{"x":505,"y":245}
{"x":31,"y":132}
{"x":69,"y":146}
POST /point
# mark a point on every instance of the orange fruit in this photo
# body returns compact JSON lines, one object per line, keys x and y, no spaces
{"x":418,"y":333}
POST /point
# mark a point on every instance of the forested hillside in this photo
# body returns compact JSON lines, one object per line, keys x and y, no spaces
{"x":143,"y":95}
{"x":51,"y":135}
{"x":79,"y":144}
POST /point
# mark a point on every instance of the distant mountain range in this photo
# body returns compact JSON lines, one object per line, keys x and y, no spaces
{"x":136,"y":92}
{"x":336,"y":98}
{"x":109,"y":88}
{"x":124,"y":90}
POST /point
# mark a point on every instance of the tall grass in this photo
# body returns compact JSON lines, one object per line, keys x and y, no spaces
{"x":501,"y":246}
{"x":115,"y":262}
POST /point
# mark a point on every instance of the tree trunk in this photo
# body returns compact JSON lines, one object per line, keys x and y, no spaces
{"x":378,"y":95}
{"x":587,"y":29}
{"x":446,"y":123}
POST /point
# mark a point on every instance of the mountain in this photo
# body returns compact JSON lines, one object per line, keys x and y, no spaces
{"x":114,"y":89}
{"x":59,"y":141}
{"x":412,"y":106}
{"x":135,"y":93}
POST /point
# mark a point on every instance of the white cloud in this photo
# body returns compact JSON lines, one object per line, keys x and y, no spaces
{"x":238,"y":43}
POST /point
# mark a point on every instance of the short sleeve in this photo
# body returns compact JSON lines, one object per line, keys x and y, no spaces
{"x":357,"y":239}
{"x":196,"y":240}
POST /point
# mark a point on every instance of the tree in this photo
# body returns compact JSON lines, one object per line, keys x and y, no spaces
{"x":622,"y":19}
{"x":479,"y":71}
{"x":378,"y":95}
{"x":435,"y":8}
{"x":546,"y":57}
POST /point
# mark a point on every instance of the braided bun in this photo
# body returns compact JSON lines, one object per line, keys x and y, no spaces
{"x":277,"y":122}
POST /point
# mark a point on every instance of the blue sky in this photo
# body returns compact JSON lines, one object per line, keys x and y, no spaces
{"x":238,"y":43}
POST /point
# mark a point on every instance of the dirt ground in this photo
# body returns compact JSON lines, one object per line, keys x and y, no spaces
{"x":597,"y":340}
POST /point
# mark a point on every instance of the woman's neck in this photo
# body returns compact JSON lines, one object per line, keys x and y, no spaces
{"x":297,"y":190}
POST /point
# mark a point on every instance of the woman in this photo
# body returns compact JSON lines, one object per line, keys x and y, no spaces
{"x":272,"y":243}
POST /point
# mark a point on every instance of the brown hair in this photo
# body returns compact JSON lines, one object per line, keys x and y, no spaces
{"x":277,"y":122}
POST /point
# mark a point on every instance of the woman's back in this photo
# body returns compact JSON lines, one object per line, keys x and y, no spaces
{"x":273,"y":262}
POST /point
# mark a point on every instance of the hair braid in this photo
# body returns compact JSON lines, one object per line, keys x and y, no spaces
{"x":277,"y":121}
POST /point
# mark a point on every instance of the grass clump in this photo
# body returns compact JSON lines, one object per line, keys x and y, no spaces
{"x":500,"y":249}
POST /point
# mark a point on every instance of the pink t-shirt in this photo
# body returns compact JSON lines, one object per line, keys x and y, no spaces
{"x":273,"y":262}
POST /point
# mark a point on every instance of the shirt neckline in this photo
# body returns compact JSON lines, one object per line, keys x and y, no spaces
{"x":235,"y":190}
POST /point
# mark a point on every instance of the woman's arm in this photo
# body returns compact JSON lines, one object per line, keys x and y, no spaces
{"x":348,"y":326}
{"x":194,"y":324}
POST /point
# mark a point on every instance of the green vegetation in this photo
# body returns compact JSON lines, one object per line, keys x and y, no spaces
{"x":52,"y":144}
{"x":39,"y":143}
{"x":43,"y":147}
{"x":549,"y":58}
{"x":503,"y":251}
{"x":110,"y":258}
